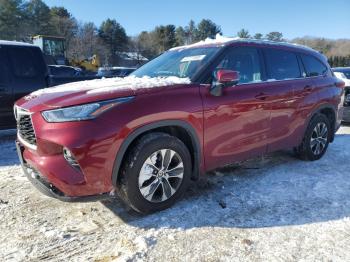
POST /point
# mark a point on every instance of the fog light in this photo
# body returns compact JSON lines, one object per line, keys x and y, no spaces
{"x":70,"y":158}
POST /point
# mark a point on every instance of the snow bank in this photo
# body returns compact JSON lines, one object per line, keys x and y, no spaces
{"x":112,"y":84}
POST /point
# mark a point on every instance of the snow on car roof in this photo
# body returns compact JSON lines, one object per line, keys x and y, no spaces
{"x":219,"y":40}
{"x":222,"y":40}
{"x":14,"y":43}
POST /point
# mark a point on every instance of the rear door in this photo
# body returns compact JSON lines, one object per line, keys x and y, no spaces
{"x":284,"y":78}
{"x":29,"y":70}
{"x":6,"y":95}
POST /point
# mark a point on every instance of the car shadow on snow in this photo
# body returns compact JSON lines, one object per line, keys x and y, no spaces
{"x":8,"y":153}
{"x":276,"y":190}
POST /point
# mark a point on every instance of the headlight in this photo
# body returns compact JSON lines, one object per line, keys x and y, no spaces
{"x":81,"y":112}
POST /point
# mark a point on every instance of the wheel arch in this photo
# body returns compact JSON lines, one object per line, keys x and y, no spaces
{"x":167,"y":126}
{"x":329,"y":111}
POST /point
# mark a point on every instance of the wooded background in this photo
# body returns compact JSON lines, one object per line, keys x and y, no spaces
{"x":20,"y":20}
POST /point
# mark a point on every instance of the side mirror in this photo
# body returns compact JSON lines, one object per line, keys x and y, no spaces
{"x":223,"y":78}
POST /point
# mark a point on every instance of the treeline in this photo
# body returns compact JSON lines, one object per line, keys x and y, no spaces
{"x":339,"y":61}
{"x":22,"y":19}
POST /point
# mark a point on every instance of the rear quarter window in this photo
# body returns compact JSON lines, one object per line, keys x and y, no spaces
{"x":313,"y":66}
{"x":281,"y":64}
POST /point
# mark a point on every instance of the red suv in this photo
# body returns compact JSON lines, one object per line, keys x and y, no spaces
{"x":190,"y":110}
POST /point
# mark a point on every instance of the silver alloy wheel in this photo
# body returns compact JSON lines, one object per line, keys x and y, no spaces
{"x":161,"y":175}
{"x":319,"y":138}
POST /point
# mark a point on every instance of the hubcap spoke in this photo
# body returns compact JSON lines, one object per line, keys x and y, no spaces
{"x":148,"y":191}
{"x":177,"y":172}
{"x":323,"y":131}
{"x":167,"y":156}
{"x":168,"y":190}
{"x":313,"y":142}
{"x":151,"y":164}
{"x":319,"y":138}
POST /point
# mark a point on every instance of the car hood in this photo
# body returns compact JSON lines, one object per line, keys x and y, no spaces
{"x":94,"y":90}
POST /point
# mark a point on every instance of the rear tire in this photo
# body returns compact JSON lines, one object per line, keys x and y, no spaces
{"x":316,"y":139}
{"x":156,"y":173}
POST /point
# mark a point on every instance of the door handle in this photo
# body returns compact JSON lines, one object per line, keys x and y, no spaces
{"x":261,"y":96}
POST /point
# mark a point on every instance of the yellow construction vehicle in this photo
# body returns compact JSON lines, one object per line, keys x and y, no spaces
{"x":90,"y":64}
{"x":54,"y":50}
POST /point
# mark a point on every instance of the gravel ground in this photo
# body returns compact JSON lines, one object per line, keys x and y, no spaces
{"x":268,"y":209}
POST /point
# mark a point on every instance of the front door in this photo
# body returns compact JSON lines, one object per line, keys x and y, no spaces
{"x":236,"y":124}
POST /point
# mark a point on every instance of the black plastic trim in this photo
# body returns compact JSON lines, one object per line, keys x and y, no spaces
{"x":164,"y":123}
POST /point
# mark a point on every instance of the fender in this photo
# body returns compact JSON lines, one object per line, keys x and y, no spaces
{"x":164,"y":123}
{"x":317,"y":110}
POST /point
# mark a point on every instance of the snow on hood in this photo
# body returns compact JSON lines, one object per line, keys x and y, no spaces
{"x":105,"y":85}
{"x":219,"y":39}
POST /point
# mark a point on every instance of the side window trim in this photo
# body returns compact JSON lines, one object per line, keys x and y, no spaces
{"x":262,"y":61}
{"x":301,"y":66}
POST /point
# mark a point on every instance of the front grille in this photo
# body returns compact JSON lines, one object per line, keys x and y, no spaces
{"x":25,"y":127}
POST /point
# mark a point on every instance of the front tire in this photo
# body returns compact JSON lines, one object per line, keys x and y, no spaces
{"x":156,"y":173}
{"x":316,"y":139}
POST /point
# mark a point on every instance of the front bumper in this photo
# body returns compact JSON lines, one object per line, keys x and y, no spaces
{"x":93,"y":149}
{"x":41,"y":183}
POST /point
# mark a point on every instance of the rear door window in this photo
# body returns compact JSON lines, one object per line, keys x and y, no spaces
{"x":281,"y":64}
{"x":246,"y":61}
{"x":313,"y":66}
{"x":23,"y":62}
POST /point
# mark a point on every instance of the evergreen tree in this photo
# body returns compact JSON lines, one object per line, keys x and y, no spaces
{"x":114,"y":35}
{"x":38,"y":18}
{"x":275,"y":36}
{"x":243,"y":33}
{"x":165,"y":37}
{"x":258,"y":36}
{"x":191,"y":32}
{"x":11,"y":19}
{"x":207,"y":29}
{"x":180,"y":36}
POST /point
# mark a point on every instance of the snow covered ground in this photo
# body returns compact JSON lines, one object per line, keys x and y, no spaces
{"x":269,"y":209}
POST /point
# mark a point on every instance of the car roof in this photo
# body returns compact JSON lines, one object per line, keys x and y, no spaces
{"x":340,"y":69}
{"x":15,"y":43}
{"x":227,"y":41}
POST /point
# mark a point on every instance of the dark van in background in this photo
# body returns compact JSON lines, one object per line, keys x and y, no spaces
{"x":23,"y":70}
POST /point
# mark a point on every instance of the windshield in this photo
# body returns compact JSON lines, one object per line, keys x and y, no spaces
{"x":181,"y":63}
